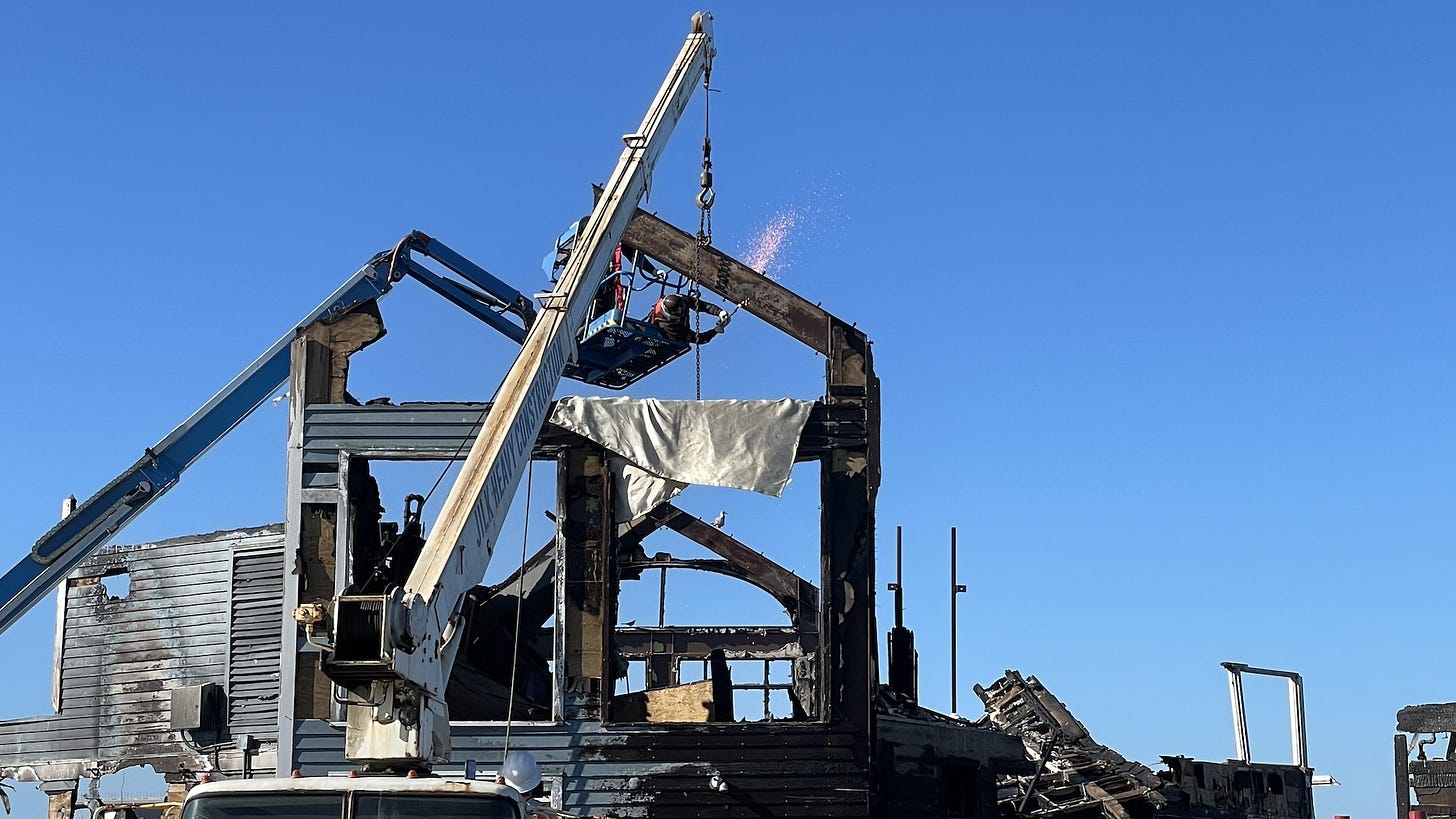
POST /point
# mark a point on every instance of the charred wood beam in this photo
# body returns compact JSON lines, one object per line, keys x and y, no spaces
{"x":799,"y":597}
{"x":734,"y":281}
{"x":1436,"y":718}
{"x":699,"y":642}
{"x":794,"y":607}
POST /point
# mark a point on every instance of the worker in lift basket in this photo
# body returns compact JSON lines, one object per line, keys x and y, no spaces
{"x":671,"y":314}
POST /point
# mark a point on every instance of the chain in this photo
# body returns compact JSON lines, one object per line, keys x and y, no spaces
{"x":706,"y":196}
{"x":693,"y":295}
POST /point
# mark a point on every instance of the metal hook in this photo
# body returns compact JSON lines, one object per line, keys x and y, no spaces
{"x":705,"y":198}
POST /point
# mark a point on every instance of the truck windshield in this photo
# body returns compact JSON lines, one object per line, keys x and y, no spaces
{"x":285,"y":805}
{"x":270,"y":805}
{"x":431,"y":806}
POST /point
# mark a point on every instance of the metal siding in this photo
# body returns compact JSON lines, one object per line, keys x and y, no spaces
{"x":256,"y":609}
{"x":439,"y":430}
{"x":120,"y":659}
{"x":786,"y":769}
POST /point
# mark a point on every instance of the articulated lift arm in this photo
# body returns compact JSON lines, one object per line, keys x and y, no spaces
{"x":94,"y":523}
{"x":395,"y":652}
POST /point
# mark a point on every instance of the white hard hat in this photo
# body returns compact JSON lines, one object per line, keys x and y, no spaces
{"x":520,"y":771}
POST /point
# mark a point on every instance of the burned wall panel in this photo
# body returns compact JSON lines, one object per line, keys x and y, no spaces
{"x":128,"y":644}
{"x":783,"y":769}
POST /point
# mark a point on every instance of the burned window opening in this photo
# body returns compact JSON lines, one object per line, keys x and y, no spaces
{"x":391,"y":507}
{"x":116,"y":585}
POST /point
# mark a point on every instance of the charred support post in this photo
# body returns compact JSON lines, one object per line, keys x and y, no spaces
{"x":60,"y":798}
{"x":587,"y":577}
{"x":850,"y":477}
{"x":318,"y":375}
{"x":1402,"y":778}
{"x":310,"y":533}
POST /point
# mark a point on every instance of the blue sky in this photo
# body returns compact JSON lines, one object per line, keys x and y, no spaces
{"x":1160,"y":296}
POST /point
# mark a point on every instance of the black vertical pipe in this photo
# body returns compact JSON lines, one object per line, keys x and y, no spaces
{"x":953,"y":591}
{"x":899,"y":579}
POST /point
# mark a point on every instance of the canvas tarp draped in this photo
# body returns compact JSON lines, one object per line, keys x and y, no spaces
{"x":661,"y":446}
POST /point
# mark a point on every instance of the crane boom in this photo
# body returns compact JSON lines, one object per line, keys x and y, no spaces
{"x":96,"y":521}
{"x":395,"y":651}
{"x":92,"y":524}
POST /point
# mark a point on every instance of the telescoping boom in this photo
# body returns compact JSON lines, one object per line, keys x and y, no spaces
{"x":92,"y":524}
{"x":394,"y":652}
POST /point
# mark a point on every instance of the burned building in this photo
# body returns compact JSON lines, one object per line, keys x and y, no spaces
{"x":200,"y":666}
{"x":245,"y":694}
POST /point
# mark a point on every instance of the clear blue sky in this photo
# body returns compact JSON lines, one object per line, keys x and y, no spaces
{"x":1161,"y":295}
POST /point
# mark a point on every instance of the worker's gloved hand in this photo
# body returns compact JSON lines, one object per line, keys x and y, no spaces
{"x":723,"y":320}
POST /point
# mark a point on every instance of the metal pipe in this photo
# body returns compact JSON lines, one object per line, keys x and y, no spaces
{"x":955,"y":589}
{"x":1236,"y":703}
{"x":1298,"y":736}
{"x":1297,"y":739}
{"x":899,"y":587}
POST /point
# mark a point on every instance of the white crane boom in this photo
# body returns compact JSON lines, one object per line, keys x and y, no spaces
{"x":395,"y":652}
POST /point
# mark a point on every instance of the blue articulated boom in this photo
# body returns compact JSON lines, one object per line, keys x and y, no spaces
{"x":94,"y":523}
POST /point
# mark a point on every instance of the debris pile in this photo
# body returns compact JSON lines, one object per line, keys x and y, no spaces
{"x":1074,"y":775}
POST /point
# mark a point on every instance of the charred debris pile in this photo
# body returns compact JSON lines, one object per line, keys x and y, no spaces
{"x":1071,"y":775}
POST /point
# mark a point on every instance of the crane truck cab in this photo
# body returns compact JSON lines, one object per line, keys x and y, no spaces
{"x":357,"y":797}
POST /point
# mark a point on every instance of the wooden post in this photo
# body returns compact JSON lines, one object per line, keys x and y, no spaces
{"x":586,"y":569}
{"x":849,"y":482}
{"x":318,"y":375}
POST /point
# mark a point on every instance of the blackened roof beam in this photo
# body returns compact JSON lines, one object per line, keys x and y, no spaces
{"x":736,"y":282}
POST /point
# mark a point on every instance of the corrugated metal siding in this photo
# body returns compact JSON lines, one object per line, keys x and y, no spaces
{"x":438,"y":430}
{"x":783,"y":769}
{"x":434,"y":429}
{"x":257,"y":610}
{"x":121,"y":658}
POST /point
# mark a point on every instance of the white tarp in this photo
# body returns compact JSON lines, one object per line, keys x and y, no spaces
{"x":665,"y":445}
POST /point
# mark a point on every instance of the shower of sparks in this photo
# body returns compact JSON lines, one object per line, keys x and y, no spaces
{"x":777,"y":245}
{"x":764,"y":248}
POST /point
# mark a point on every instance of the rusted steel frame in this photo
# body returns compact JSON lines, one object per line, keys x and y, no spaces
{"x":735,"y":281}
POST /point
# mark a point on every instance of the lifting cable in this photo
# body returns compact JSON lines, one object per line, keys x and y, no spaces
{"x":520,"y":601}
{"x":705,"y":231}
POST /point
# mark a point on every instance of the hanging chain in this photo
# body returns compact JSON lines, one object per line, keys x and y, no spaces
{"x":705,"y":229}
